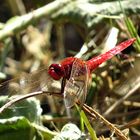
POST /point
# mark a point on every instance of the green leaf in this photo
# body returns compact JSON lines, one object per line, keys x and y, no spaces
{"x":29,"y":108}
{"x":87,"y":123}
{"x":45,"y":132}
{"x":17,"y":128}
{"x":133,"y":32}
{"x":131,"y":28}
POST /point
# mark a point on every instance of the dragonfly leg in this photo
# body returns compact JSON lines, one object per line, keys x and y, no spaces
{"x":63,"y":83}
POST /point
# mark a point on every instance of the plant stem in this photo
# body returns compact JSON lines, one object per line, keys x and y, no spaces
{"x":22,"y":22}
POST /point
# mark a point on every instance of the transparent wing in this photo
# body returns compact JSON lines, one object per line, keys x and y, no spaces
{"x":28,"y":83}
{"x":76,"y":86}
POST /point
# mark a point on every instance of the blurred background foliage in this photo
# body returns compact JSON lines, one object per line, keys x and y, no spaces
{"x":34,"y":34}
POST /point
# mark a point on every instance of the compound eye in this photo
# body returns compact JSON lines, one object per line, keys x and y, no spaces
{"x":56,"y":71}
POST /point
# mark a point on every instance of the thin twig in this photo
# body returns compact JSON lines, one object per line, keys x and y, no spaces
{"x":137,"y":85}
{"x":22,"y":97}
{"x":92,"y":113}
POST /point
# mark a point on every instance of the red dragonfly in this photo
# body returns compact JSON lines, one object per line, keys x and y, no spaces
{"x":74,"y":72}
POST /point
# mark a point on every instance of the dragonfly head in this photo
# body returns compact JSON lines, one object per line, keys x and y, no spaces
{"x":56,"y":71}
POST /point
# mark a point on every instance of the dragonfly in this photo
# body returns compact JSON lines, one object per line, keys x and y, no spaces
{"x":74,"y":74}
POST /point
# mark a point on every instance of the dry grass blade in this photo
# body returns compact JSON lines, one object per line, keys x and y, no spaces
{"x":132,"y":123}
{"x":94,"y":113}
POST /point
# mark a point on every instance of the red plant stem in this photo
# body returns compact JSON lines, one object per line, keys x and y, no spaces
{"x":96,"y":61}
